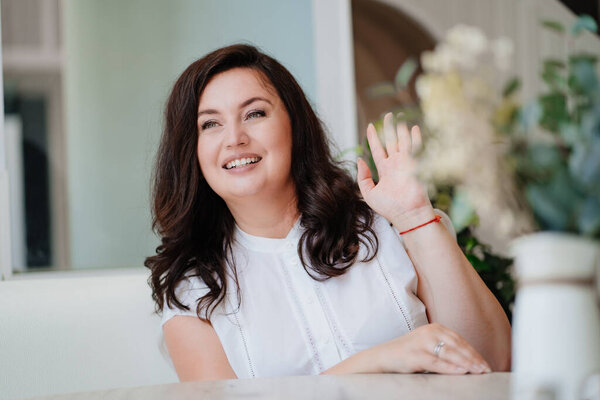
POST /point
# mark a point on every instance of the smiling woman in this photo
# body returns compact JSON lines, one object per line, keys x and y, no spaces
{"x":275,"y":261}
{"x":245,"y":142}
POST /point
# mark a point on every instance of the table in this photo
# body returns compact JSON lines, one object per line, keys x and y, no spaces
{"x":494,"y":386}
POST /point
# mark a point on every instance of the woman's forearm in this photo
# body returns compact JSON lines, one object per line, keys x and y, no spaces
{"x":452,"y":291}
{"x":363,"y":362}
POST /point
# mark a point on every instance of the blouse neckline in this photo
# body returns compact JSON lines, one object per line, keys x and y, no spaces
{"x":269,"y":245}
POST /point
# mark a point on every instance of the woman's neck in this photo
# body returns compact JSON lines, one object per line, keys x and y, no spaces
{"x":272,"y":218}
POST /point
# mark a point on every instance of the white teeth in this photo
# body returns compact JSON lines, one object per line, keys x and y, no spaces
{"x":241,"y":162}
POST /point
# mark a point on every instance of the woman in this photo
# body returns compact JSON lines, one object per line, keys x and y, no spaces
{"x":271,"y":263}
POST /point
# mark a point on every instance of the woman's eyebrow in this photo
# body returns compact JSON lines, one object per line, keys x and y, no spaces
{"x":244,"y":104}
{"x":253,"y":99}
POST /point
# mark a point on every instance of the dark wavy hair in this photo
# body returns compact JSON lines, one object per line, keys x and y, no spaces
{"x":194,"y":223}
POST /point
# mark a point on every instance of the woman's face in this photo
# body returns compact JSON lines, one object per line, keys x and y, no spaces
{"x":244,"y":136}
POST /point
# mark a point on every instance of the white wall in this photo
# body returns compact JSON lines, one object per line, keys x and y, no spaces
{"x":121,"y":58}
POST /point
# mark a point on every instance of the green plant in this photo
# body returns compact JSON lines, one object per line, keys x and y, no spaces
{"x":558,"y":170}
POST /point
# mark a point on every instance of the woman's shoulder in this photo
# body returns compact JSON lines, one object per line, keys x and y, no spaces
{"x":188,"y":291}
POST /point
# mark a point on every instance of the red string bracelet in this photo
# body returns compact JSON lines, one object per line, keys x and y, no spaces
{"x":436,"y":219}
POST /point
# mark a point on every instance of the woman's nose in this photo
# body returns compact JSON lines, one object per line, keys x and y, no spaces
{"x":236,"y":135}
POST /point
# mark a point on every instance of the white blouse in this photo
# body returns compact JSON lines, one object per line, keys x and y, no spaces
{"x":291,"y":324}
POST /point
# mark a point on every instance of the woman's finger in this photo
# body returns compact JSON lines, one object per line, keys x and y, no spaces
{"x":416,"y":139}
{"x":377,"y":149}
{"x":363,"y":177}
{"x":404,"y":140}
{"x":455,"y":356}
{"x":389,"y":134}
{"x":441,"y":366}
{"x":468,"y":352}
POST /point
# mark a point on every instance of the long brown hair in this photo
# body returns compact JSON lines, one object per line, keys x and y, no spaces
{"x":194,"y":223}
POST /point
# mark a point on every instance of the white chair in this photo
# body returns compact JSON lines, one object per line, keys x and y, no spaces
{"x":71,"y":332}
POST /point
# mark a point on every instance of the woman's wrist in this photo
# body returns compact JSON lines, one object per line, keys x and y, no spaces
{"x":413,"y":218}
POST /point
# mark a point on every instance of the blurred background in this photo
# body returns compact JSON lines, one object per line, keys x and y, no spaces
{"x":85,"y":82}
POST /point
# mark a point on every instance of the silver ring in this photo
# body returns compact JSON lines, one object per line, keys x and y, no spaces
{"x":438,"y":348}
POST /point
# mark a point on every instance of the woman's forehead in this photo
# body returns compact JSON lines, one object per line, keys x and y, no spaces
{"x":237,"y":82}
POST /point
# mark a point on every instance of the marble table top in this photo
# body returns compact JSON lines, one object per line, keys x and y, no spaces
{"x":494,"y":386}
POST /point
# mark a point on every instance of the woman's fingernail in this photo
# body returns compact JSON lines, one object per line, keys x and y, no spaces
{"x":477,"y":367}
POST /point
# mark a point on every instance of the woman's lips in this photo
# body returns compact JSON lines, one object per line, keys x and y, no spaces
{"x":241,"y":162}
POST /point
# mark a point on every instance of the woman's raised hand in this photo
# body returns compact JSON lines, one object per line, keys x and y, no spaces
{"x":398,"y":195}
{"x":432,"y":348}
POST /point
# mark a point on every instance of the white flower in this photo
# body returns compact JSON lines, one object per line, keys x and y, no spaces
{"x":502,"y":48}
{"x":468,"y":41}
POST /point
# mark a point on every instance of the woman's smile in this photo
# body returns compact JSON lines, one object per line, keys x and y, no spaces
{"x":242,"y":163}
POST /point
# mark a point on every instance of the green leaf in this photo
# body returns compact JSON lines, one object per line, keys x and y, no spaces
{"x":554,"y":79}
{"x":530,"y":115}
{"x":544,"y":157}
{"x":589,"y":217}
{"x":462,"y":213}
{"x":410,"y":114}
{"x":584,"y":75}
{"x":371,"y":162}
{"x":570,"y":134}
{"x":546,"y":209}
{"x":479,"y":265}
{"x":554,"y":63}
{"x":554,"y":111}
{"x":583,"y":57}
{"x":553,"y":26}
{"x":358,"y":150}
{"x":555,"y":203}
{"x":584,"y":164}
{"x":405,"y":73}
{"x":512,"y":86}
{"x":584,"y":23}
{"x":382,"y":89}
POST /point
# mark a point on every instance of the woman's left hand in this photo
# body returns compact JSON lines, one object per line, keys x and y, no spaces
{"x":398,"y":196}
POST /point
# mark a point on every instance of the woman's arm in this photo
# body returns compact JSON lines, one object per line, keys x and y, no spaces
{"x":196,"y":350}
{"x":452,"y":291}
{"x":449,"y":287}
{"x":415,"y":352}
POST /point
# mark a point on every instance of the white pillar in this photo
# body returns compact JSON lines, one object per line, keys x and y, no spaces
{"x":334,"y":55}
{"x":5,"y":245}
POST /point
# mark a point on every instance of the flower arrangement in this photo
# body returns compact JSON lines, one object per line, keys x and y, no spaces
{"x":517,"y":167}
{"x":496,"y":164}
{"x":460,"y":98}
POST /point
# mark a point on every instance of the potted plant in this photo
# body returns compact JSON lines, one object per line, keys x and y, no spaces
{"x":522,"y":169}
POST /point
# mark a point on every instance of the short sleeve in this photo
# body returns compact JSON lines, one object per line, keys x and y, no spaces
{"x":188,"y":291}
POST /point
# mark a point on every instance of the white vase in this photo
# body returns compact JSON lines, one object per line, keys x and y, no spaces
{"x":556,"y":318}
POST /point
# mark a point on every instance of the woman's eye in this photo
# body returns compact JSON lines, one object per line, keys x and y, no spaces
{"x":255,"y":114}
{"x":209,"y":124}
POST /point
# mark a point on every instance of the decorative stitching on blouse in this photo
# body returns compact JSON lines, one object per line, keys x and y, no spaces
{"x":245,"y":344}
{"x":331,"y":319}
{"x":316,"y":357}
{"x":387,"y":281}
{"x":237,"y":323}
